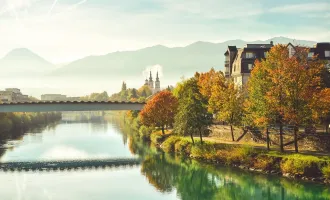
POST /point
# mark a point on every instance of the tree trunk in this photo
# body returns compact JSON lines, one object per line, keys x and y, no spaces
{"x":200,"y":135}
{"x":296,"y":139}
{"x":267,"y":135}
{"x":163,"y":131}
{"x":192,"y":138}
{"x":232,"y":132}
{"x":281,"y":137}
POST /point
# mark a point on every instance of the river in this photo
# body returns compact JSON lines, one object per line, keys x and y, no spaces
{"x":158,"y":176}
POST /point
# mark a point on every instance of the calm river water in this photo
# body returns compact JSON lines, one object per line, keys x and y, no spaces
{"x":159,"y":176}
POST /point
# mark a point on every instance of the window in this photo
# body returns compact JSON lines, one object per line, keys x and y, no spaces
{"x":310,"y":54}
{"x":327,"y":53}
{"x":249,"y":55}
{"x":250,"y":66}
{"x":265,"y":54}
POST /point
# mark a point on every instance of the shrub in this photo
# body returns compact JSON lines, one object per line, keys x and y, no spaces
{"x":169,"y":143}
{"x":145,"y":132}
{"x":235,"y":155}
{"x":156,"y":137}
{"x":326,"y":171}
{"x":264,"y":163}
{"x":301,"y":165}
{"x":203,"y":151}
{"x":182,"y":146}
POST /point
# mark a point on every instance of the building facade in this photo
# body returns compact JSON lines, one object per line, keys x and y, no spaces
{"x":13,"y":95}
{"x":240,"y":61}
{"x":322,"y":51}
{"x":154,"y":86}
{"x":53,"y":97}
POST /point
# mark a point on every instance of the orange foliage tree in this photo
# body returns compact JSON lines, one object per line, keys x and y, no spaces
{"x":287,"y":90}
{"x":160,"y":110}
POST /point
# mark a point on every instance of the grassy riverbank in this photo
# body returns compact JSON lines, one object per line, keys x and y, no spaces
{"x":297,"y":166}
{"x":306,"y":167}
{"x":23,"y":121}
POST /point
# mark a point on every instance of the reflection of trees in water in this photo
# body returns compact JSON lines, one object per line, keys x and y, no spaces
{"x":18,"y":134}
{"x":193,"y":180}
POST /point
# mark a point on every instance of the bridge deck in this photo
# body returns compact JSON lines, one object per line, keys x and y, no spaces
{"x":68,"y":165}
{"x":51,"y":106}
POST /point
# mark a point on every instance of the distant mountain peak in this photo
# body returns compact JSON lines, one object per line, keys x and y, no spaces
{"x":25,"y":54}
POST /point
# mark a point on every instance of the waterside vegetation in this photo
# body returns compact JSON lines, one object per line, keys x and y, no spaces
{"x":282,"y":91}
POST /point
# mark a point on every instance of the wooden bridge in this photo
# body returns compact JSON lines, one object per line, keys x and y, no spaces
{"x":53,"y":106}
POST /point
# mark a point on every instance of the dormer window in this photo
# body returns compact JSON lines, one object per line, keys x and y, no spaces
{"x":310,"y":54}
{"x":249,"y":55}
{"x":327,"y":54}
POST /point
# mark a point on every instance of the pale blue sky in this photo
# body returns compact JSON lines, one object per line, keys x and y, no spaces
{"x":64,"y":30}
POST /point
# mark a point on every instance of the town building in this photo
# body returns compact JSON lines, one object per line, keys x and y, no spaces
{"x":58,"y":97}
{"x":13,"y":95}
{"x":322,"y":51}
{"x":154,"y":86}
{"x":53,"y":97}
{"x":240,"y":61}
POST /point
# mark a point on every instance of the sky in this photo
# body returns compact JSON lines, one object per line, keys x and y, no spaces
{"x":65,"y":30}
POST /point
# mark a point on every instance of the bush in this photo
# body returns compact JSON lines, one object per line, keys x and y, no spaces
{"x":326,"y":171}
{"x":136,"y":124}
{"x":169,"y":143}
{"x":301,"y":165}
{"x":264,"y":163}
{"x":203,"y":151}
{"x":182,"y":146}
{"x":145,"y":132}
{"x":235,"y":155}
{"x":156,"y":137}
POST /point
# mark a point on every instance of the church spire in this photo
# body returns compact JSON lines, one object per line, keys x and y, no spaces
{"x":150,"y":77}
{"x":157,"y":78}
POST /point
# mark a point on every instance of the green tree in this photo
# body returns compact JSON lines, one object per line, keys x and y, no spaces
{"x":192,"y":115}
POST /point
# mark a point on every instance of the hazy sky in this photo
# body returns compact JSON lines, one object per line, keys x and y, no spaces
{"x":64,"y":30}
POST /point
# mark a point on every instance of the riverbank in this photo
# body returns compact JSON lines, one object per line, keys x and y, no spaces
{"x":314,"y":168}
{"x":295,"y":166}
{"x":25,"y":121}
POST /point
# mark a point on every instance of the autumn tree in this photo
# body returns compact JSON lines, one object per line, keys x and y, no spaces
{"x":258,"y":111}
{"x":286,"y":90}
{"x":192,"y":116}
{"x":160,"y":110}
{"x":209,"y":79}
{"x":226,"y":101}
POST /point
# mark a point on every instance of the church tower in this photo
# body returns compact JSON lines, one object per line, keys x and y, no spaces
{"x":151,"y":83}
{"x":157,"y":84}
{"x":146,"y":82}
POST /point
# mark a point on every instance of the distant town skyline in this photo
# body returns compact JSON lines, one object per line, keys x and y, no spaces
{"x":65,"y":30}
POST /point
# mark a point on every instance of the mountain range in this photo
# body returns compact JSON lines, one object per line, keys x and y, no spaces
{"x":175,"y":61}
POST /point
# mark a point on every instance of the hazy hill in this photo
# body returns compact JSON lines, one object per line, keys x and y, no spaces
{"x":23,"y":62}
{"x":177,"y":61}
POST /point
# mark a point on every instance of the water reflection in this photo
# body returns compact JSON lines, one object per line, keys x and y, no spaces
{"x":66,"y":141}
{"x":192,"y":180}
{"x":159,"y":176}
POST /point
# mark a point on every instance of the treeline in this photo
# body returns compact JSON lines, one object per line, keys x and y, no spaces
{"x":25,"y":121}
{"x":281,"y":91}
{"x":125,"y":94}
